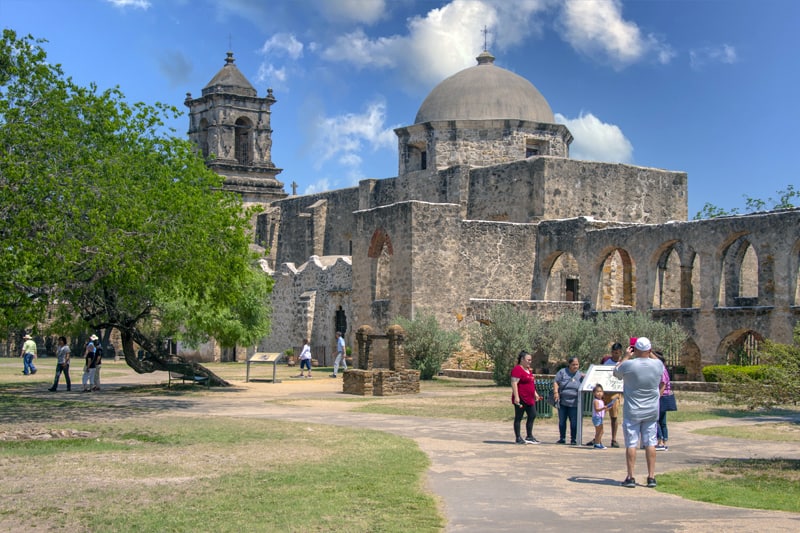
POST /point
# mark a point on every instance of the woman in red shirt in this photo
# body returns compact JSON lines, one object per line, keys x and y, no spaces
{"x":524,"y":396}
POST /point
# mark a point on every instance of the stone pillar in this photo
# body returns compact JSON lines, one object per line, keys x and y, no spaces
{"x":364,"y":339}
{"x":687,"y":291}
{"x":397,"y":358}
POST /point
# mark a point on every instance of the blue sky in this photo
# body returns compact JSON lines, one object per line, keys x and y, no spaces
{"x":708,"y":87}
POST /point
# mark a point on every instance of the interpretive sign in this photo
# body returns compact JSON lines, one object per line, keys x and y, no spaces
{"x":604,"y":375}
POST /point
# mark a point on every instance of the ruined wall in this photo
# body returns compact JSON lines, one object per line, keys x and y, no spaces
{"x":611,"y":191}
{"x":495,"y":260}
{"x":304,"y":303}
{"x":317,"y":224}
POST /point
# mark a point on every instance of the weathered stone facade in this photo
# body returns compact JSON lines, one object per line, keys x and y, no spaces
{"x":488,"y":208}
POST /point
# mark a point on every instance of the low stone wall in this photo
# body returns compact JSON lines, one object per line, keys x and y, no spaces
{"x":380,"y":382}
{"x":466,"y":374}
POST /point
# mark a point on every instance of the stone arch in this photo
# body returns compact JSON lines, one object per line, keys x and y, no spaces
{"x":563,"y":278}
{"x":202,"y":138}
{"x":243,"y":141}
{"x":740,"y":347}
{"x":677,"y":281}
{"x":740,"y":274}
{"x":617,"y":286}
{"x":690,"y":362}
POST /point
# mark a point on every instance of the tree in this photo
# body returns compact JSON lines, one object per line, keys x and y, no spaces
{"x":507,"y":332}
{"x":107,"y":222}
{"x":785,"y":200}
{"x":427,"y":345}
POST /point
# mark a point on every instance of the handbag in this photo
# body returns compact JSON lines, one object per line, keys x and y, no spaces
{"x":551,"y":398}
{"x":668,"y":403}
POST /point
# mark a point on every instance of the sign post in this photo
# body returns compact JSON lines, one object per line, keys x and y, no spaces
{"x":602,"y":374}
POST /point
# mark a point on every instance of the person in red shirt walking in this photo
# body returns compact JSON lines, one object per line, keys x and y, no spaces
{"x":524,"y":397}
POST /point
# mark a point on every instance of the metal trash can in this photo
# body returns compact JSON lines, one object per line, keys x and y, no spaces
{"x":542,"y":408}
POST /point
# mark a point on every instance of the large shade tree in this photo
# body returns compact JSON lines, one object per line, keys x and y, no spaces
{"x":107,"y":220}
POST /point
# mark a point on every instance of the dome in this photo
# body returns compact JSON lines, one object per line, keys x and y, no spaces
{"x":229,"y":80}
{"x":485,"y":92}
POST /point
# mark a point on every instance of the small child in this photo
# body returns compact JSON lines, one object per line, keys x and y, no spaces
{"x":598,"y":414}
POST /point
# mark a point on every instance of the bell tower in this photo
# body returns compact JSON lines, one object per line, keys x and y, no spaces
{"x":230,"y":124}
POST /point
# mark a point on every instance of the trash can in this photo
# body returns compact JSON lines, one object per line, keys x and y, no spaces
{"x":542,"y":408}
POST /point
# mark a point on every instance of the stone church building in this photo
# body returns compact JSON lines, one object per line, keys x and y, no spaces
{"x":488,"y":208}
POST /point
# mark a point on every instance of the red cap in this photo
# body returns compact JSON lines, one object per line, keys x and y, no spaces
{"x":633,"y":340}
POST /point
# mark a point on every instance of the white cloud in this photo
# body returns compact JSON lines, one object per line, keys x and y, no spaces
{"x":597,"y":29}
{"x":700,"y":57}
{"x":596,"y":140}
{"x":321,"y":185}
{"x":343,"y":137}
{"x":269,"y":74}
{"x":283,"y":43}
{"x":443,"y":41}
{"x":141,"y":4}
{"x":359,"y":11}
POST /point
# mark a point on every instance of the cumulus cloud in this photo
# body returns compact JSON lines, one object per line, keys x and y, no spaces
{"x":283,"y":43}
{"x":321,"y":185}
{"x":175,"y":66}
{"x":598,"y":30}
{"x":359,"y":11}
{"x":271,"y":75}
{"x":443,"y":41}
{"x":141,"y":4}
{"x":700,"y":57}
{"x":343,"y":137}
{"x":596,"y":141}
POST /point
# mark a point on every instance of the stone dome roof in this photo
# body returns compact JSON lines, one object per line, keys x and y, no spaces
{"x":229,"y":80}
{"x":485,"y":92}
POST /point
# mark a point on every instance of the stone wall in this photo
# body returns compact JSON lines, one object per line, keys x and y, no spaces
{"x":317,"y":224}
{"x":478,"y":143}
{"x":304,"y":304}
{"x":611,"y":191}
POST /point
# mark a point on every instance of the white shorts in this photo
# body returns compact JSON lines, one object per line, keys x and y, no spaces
{"x":645,"y":428}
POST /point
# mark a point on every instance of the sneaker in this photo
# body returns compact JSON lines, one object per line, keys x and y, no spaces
{"x":531,"y":440}
{"x":51,"y":389}
{"x":599,"y":447}
{"x":33,"y":371}
{"x":614,"y":444}
{"x":651,"y":482}
{"x":333,"y":375}
{"x":561,"y":441}
{"x":590,"y":443}
{"x":629,"y":482}
{"x":661,"y":448}
{"x":520,"y":440}
{"x":573,"y":443}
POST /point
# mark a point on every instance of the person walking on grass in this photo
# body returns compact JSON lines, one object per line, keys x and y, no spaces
{"x":28,"y":355}
{"x":305,"y":358}
{"x":62,"y":365}
{"x":340,"y":355}
{"x":524,"y":397}
{"x":641,"y":376}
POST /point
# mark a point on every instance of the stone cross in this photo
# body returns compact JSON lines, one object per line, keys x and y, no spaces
{"x":294,"y":188}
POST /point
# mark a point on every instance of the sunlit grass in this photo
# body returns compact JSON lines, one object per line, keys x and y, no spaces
{"x":751,"y":483}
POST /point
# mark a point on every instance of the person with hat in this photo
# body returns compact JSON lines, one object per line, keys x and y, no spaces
{"x":641,"y":377}
{"x":98,"y":361}
{"x":28,"y":355}
{"x":90,"y":365}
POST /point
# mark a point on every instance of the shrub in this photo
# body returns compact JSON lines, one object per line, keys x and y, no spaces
{"x":427,"y":345}
{"x":733,"y":373}
{"x":508,"y":331}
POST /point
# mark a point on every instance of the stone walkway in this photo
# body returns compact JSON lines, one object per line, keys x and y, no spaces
{"x":486,"y":483}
